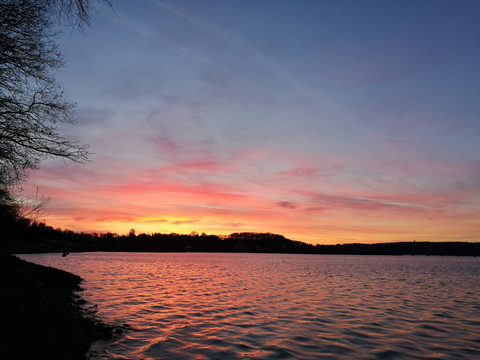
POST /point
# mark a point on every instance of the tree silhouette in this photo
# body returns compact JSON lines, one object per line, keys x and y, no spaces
{"x":32,"y":104}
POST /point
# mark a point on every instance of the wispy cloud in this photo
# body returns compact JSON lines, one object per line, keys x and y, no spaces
{"x":212,"y":118}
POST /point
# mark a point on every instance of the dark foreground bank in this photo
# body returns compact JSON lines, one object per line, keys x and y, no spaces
{"x":40,"y":315}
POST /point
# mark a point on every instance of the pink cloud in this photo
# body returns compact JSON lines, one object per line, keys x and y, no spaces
{"x":180,"y":222}
{"x":299,"y":194}
{"x":300,"y":172}
{"x":287,"y":205}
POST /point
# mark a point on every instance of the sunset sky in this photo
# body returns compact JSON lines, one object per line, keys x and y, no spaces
{"x":324,"y":121}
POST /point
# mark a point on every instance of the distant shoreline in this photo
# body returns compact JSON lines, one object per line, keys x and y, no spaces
{"x":42,"y":317}
{"x":46,"y":239}
{"x":41,"y":238}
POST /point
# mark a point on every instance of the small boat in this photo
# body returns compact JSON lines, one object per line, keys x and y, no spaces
{"x":65,"y":253}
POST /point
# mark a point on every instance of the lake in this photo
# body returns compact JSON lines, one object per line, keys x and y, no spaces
{"x":280,"y":306}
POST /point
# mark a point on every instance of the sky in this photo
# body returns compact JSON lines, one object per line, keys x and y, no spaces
{"x":325,"y":121}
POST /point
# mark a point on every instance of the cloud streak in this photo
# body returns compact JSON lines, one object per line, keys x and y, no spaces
{"x":218,"y":118}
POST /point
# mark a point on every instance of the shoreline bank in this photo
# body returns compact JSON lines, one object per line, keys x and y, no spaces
{"x":41,"y":313}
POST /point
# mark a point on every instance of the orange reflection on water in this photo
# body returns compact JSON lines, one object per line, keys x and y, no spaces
{"x":279,"y":305}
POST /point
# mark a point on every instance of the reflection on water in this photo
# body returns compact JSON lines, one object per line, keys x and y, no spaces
{"x":271,"y":306}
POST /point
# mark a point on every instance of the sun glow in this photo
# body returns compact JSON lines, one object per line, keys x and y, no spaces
{"x":238,"y":134}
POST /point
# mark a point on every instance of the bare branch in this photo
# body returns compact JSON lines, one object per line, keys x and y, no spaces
{"x":32,"y":208}
{"x":31,"y":102}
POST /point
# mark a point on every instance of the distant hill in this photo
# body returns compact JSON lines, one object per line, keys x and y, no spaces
{"x":409,"y":248}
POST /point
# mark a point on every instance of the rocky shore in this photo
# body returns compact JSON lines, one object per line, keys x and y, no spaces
{"x":40,"y":314}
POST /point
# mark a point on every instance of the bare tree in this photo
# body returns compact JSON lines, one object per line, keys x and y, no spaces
{"x":75,"y":12}
{"x":32,"y":104}
{"x":31,"y":101}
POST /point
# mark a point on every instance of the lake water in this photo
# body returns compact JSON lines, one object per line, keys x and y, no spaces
{"x":277,"y":306}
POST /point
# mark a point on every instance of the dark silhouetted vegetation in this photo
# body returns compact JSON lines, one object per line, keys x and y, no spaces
{"x":32,"y":104}
{"x":31,"y":101}
{"x":38,"y":237}
{"x":40,"y":319}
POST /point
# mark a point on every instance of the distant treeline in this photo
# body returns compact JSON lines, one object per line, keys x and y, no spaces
{"x":38,"y":237}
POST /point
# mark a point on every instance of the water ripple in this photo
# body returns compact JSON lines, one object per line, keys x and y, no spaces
{"x":263,"y":306}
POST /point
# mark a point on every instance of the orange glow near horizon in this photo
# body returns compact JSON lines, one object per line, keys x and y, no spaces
{"x":219,"y":120}
{"x":222,"y":210}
